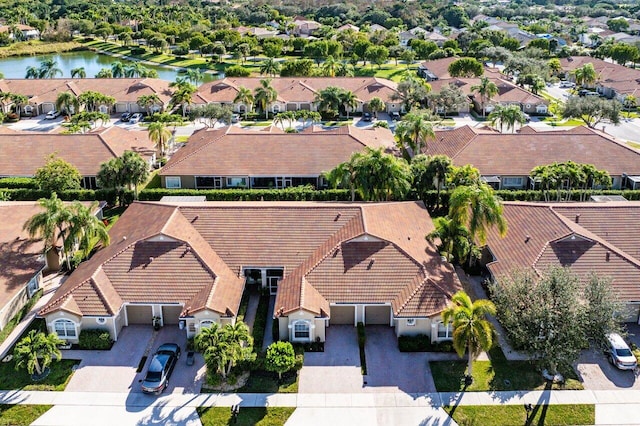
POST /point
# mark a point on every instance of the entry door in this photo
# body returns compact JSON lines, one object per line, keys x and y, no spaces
{"x":272,"y":282}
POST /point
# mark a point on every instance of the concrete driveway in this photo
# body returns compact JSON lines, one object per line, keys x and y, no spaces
{"x":115,"y":370}
{"x":598,"y":374}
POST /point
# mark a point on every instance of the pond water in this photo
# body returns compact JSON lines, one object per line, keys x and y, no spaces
{"x":16,"y":66}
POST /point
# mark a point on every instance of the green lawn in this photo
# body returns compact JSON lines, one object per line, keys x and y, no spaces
{"x":552,"y":121}
{"x":11,"y":325}
{"x":37,"y":47}
{"x":21,"y":415}
{"x":57,"y":380}
{"x":495,"y":375}
{"x":112,"y":215}
{"x":634,"y":145}
{"x":509,"y":415}
{"x":249,"y":416}
{"x":267,"y":382}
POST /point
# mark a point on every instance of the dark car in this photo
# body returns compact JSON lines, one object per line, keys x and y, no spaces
{"x":395,"y":116}
{"x":160,"y":368}
{"x":367,"y":116}
{"x":125,"y":117}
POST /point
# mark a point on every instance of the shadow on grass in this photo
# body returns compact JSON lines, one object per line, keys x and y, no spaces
{"x":261,"y":381}
{"x":247,"y":416}
{"x":540,"y":409}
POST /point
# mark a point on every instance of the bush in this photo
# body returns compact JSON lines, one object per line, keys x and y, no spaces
{"x":111,"y":196}
{"x":18,"y":182}
{"x":237,"y":71}
{"x":138,"y":50}
{"x":419,"y":343}
{"x":362,"y":338}
{"x":300,"y":193}
{"x":95,"y":340}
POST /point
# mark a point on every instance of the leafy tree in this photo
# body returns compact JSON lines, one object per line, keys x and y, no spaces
{"x":377,"y":55}
{"x":472,"y":332}
{"x":36,"y":351}
{"x":453,"y":236}
{"x":213,"y":113}
{"x":85,"y":229}
{"x":317,"y":50}
{"x":455,"y":16}
{"x":592,"y":110}
{"x":466,"y":67}
{"x":423,"y":48}
{"x":57,"y":175}
{"x":265,"y":95}
{"x":412,"y":133}
{"x":296,"y":68}
{"x":376,"y":105}
{"x":618,"y":25}
{"x":237,"y":71}
{"x":450,"y":98}
{"x":280,"y":358}
{"x":408,"y":56}
{"x":411,"y":92}
{"x":160,"y":136}
{"x":496,"y":54}
{"x":466,"y":175}
{"x":507,"y":115}
{"x":602,"y":310}
{"x":129,"y":170}
{"x":487,"y":89}
{"x":623,"y":53}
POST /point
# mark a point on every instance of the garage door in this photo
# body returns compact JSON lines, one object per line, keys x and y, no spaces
{"x":139,"y":314}
{"x":171,"y":314}
{"x":342,"y":315}
{"x":377,"y":315}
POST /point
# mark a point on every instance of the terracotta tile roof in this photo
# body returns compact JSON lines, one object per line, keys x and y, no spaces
{"x":234,"y":151}
{"x":84,"y":151}
{"x":507,"y":91}
{"x":330,"y":252}
{"x":623,"y":79}
{"x":547,"y":234}
{"x":122,"y":89}
{"x":487,"y":151}
{"x":301,"y":89}
{"x":439,"y":67}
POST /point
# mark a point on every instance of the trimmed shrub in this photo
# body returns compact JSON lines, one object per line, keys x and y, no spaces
{"x":18,"y":182}
{"x":95,"y":339}
{"x":109,"y":195}
{"x":237,"y":71}
{"x":138,"y":50}
{"x":300,"y":193}
{"x":419,"y":343}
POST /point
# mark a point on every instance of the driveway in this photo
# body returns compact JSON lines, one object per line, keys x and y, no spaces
{"x":115,"y":370}
{"x":598,"y":374}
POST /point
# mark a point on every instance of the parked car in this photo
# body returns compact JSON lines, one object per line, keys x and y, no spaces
{"x":52,"y":115}
{"x":160,"y":368}
{"x":395,"y":116}
{"x":567,"y":84}
{"x":235,"y":118}
{"x":125,"y":117}
{"x":135,"y":118}
{"x":583,"y":92}
{"x":527,"y":117}
{"x":592,"y":94}
{"x":619,"y":353}
{"x":367,"y":116}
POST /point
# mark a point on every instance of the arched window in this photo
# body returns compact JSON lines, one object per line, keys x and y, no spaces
{"x":65,"y":328}
{"x":301,"y":330}
{"x":206,"y":323}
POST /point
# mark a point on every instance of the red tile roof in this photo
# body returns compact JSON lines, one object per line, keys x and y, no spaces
{"x":528,"y":149}
{"x":375,"y":251}
{"x":235,"y":151}
{"x":623,"y":79}
{"x":586,"y":237}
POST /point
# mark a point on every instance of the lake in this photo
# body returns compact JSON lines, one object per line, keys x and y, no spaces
{"x":16,"y":66}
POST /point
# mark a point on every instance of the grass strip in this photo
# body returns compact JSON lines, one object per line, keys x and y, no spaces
{"x":248,"y":416}
{"x":141,"y":364}
{"x":509,"y":415}
{"x":21,"y":415}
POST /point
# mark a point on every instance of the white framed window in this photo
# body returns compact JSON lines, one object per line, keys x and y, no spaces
{"x":301,"y":330}
{"x":32,"y":287}
{"x":206,"y":323}
{"x":173,"y":182}
{"x":510,"y":182}
{"x":236,"y":181}
{"x":445,"y":331}
{"x":411,"y":322}
{"x":65,"y":328}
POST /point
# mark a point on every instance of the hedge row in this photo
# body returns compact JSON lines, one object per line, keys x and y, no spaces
{"x":18,"y":182}
{"x":95,"y":339}
{"x":422,"y":343}
{"x":111,"y":196}
{"x":288,"y":194}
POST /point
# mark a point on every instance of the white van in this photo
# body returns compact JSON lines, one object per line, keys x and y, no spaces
{"x":619,"y":353}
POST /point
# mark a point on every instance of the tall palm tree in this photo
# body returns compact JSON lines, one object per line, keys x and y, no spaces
{"x":68,"y":102}
{"x":412,"y":133}
{"x":507,"y":115}
{"x":487,"y":89}
{"x":117,"y":69}
{"x":78,"y":72}
{"x":585,"y":75}
{"x":472,"y":332}
{"x":478,"y":208}
{"x":329,"y":66}
{"x":376,"y":105}
{"x":148,"y":101}
{"x":49,"y":69}
{"x":329,"y":99}
{"x":36,"y":351}
{"x":195,"y":76}
{"x":270,"y":66}
{"x":32,"y":72}
{"x":85,"y":229}
{"x":439,"y":167}
{"x":182,"y":96}
{"x":265,"y":95}
{"x":344,"y":175}
{"x":348,"y":100}
{"x":245,"y":97}
{"x":160,"y":136}
{"x":50,"y":224}
{"x":453,"y":236}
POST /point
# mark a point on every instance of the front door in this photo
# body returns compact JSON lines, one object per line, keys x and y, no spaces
{"x":272,"y":283}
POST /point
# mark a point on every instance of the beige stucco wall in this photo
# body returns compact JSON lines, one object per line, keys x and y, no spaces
{"x":50,"y":319}
{"x":317,"y":326}
{"x":12,"y":307}
{"x":423,"y":326}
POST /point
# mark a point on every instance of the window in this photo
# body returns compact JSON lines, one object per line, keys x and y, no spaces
{"x":208,"y":182}
{"x":237,"y":181}
{"x":173,"y":182}
{"x":301,"y":330}
{"x":65,"y":328}
{"x":512,"y":182}
{"x":206,"y":323}
{"x":89,"y":182}
{"x":444,"y":332}
{"x":32,"y":287}
{"x":411,"y":322}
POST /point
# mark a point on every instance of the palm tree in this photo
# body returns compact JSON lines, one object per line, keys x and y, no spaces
{"x":348,"y":100}
{"x":509,"y":115}
{"x":36,"y":351}
{"x":284,"y":117}
{"x":78,"y":72}
{"x":32,"y":72}
{"x":50,"y":224}
{"x":472,"y":332}
{"x":160,"y":136}
{"x":376,"y":105}
{"x":117,"y":69}
{"x":329,"y":66}
{"x":85,"y":229}
{"x":195,"y":76}
{"x":238,"y":340}
{"x":343,"y":175}
{"x":585,"y":75}
{"x":265,"y":95}
{"x":206,"y":337}
{"x":453,"y":236}
{"x":270,"y":67}
{"x":486,"y":89}
{"x":412,"y":133}
{"x":49,"y":69}
{"x":148,"y":101}
{"x":478,"y":208}
{"x":67,"y":101}
{"x":182,"y":96}
{"x":245,"y":97}
{"x":439,"y":167}
{"x":344,"y":69}
{"x":329,"y":99}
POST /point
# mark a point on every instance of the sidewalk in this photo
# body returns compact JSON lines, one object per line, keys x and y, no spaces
{"x":49,"y":285}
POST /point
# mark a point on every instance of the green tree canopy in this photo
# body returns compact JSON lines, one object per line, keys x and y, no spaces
{"x":57,"y":175}
{"x":280,"y":358}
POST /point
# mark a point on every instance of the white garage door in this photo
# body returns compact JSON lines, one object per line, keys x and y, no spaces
{"x":139,"y":314}
{"x":342,"y":315}
{"x":171,"y":314}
